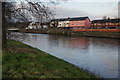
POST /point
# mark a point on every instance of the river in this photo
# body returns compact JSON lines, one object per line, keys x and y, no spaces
{"x":97,"y":55}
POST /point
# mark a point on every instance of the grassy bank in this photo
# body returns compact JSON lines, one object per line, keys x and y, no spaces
{"x":23,"y":61}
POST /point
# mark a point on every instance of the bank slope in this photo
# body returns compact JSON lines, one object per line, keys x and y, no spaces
{"x":23,"y":61}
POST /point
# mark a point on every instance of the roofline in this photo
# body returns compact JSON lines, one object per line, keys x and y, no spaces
{"x":71,"y":18}
{"x":89,"y":19}
{"x":104,"y":19}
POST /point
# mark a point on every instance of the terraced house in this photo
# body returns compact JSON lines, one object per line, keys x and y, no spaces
{"x":107,"y":23}
{"x":73,"y":23}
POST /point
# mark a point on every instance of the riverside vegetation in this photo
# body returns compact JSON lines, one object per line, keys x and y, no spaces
{"x":23,"y":61}
{"x":69,"y":32}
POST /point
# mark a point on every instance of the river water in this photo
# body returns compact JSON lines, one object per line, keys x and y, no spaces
{"x":97,"y":55}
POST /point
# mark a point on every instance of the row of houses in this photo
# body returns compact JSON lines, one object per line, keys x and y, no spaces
{"x":38,"y":25}
{"x":107,"y":23}
{"x":84,"y":23}
{"x":76,"y":23}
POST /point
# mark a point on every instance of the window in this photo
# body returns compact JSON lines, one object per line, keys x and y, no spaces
{"x":52,"y":22}
{"x":95,"y":24}
{"x":114,"y":24}
{"x":99,"y":24}
{"x":103,"y":24}
{"x":76,"y":24}
{"x":107,"y":23}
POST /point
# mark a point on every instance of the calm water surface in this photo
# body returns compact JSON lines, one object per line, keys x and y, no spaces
{"x":98,"y":55}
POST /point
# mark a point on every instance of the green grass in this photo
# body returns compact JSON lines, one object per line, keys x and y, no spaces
{"x":23,"y":61}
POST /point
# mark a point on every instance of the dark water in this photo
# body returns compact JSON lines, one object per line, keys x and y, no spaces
{"x":98,"y":55}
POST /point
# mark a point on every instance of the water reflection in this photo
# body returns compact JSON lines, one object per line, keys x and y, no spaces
{"x":82,"y":43}
{"x":98,"y":55}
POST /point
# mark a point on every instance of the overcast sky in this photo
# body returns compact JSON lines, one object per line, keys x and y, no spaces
{"x":95,"y":9}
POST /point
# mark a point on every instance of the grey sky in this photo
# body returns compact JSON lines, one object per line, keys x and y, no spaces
{"x":95,"y":10}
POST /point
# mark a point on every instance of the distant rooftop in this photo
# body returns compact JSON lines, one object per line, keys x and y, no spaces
{"x":70,"y":19}
{"x":106,"y":20}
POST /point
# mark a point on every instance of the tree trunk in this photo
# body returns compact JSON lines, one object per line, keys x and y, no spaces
{"x":4,"y":25}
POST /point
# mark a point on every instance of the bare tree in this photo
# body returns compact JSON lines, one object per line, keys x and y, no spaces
{"x":26,"y":11}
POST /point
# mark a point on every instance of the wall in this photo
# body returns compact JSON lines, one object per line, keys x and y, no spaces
{"x":77,"y":24}
{"x":63,"y":24}
{"x":105,"y":25}
{"x":87,"y":23}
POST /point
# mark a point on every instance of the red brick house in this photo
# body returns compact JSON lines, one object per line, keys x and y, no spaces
{"x":107,"y":23}
{"x":80,"y":22}
{"x":75,"y":23}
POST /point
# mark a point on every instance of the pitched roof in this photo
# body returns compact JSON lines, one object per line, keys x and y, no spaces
{"x":71,"y":19}
{"x":106,"y":21}
{"x":78,"y":18}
